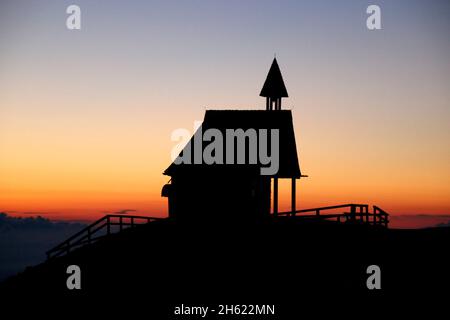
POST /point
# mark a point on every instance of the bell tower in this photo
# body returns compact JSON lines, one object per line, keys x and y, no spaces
{"x":274,"y":89}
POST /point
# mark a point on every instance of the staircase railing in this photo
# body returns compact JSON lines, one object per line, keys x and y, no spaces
{"x":99,"y":229}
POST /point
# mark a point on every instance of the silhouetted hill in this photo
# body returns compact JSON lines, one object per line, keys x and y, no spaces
{"x":273,"y":262}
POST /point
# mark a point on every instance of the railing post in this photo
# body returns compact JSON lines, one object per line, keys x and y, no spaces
{"x":132,"y":222}
{"x":108,"y":226}
{"x":89,"y":235}
{"x":120,"y":223}
{"x":353,"y":212}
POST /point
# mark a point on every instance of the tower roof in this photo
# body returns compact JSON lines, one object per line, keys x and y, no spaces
{"x":274,"y":85}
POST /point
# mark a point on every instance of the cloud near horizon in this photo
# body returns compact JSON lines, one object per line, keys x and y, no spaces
{"x":418,"y":221}
{"x":24,"y":240}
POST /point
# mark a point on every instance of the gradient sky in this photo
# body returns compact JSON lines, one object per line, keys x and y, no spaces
{"x":86,"y":116}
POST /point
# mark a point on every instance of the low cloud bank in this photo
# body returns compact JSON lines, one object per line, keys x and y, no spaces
{"x":418,"y":221}
{"x":24,"y":241}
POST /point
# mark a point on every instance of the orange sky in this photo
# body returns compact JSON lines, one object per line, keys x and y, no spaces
{"x":68,"y":176}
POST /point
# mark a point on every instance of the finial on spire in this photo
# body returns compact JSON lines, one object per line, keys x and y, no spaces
{"x":274,"y":88}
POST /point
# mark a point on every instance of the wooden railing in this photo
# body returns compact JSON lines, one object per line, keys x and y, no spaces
{"x":358,"y":213}
{"x":98,"y":230}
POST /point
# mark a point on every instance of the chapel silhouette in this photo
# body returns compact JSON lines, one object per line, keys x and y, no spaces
{"x":239,"y":190}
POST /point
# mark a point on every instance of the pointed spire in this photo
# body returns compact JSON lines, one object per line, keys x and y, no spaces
{"x":274,"y":85}
{"x":274,"y":88}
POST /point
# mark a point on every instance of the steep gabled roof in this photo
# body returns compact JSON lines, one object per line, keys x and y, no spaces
{"x":274,"y":85}
{"x":247,"y":119}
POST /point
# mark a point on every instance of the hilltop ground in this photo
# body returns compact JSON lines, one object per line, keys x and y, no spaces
{"x":164,"y":264}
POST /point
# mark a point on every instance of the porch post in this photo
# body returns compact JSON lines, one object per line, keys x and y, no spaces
{"x":293,"y":197}
{"x":275,"y":196}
